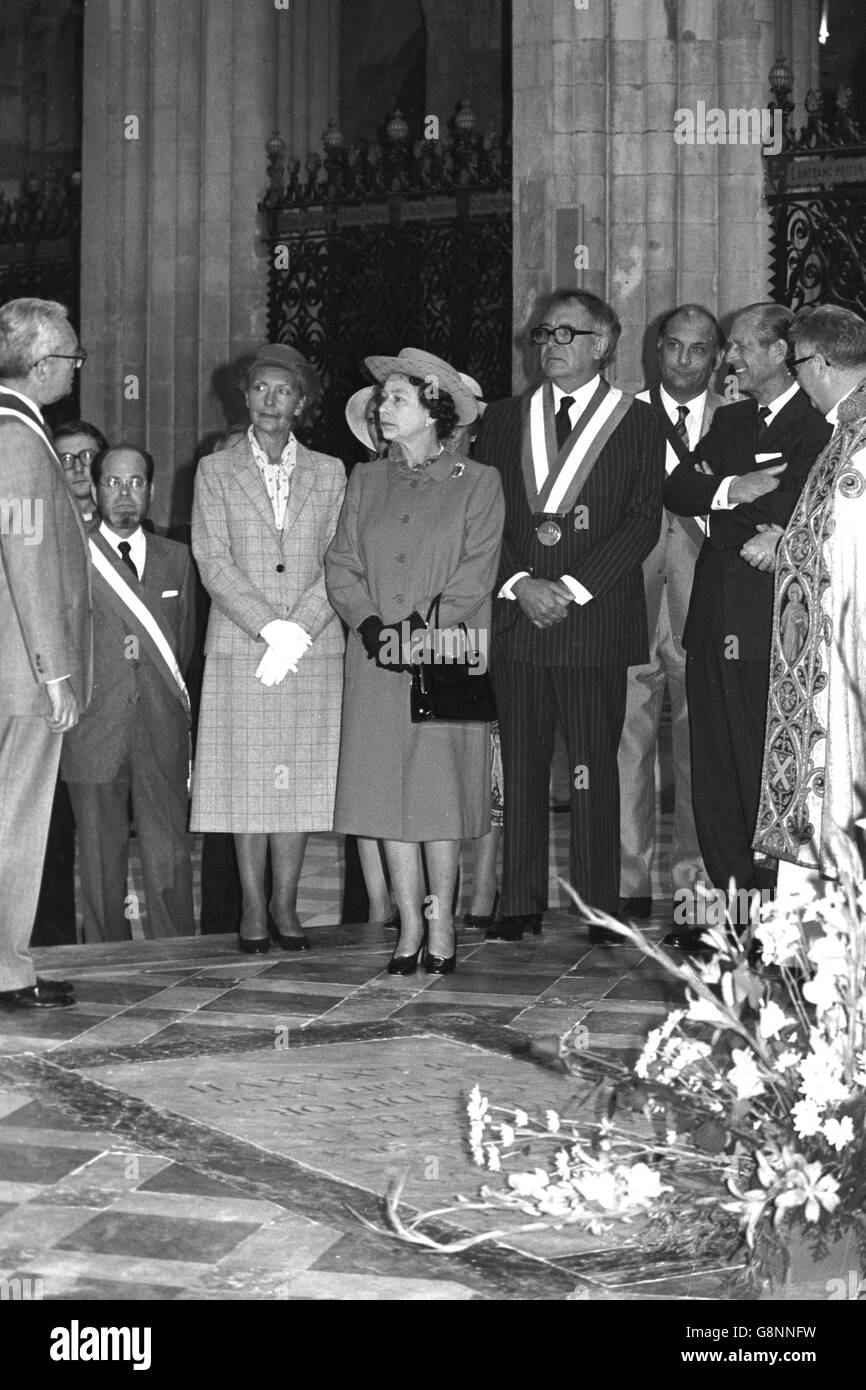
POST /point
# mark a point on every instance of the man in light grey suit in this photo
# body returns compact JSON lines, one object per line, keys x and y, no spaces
{"x":689,"y":352}
{"x":45,"y":639}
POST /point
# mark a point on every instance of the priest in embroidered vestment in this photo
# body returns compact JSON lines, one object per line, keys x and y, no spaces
{"x":814,"y":780}
{"x":582,"y":469}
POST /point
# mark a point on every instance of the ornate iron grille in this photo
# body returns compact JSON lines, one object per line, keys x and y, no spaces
{"x":379,"y":248}
{"x":816,"y":193}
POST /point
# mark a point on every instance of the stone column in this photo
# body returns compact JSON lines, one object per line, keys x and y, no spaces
{"x":308,"y":74}
{"x":174,"y":270}
{"x":597,"y":84}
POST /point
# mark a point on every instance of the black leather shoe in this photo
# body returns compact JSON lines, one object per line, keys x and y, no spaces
{"x":285,"y":940}
{"x":254,"y":945}
{"x":636,"y":907}
{"x":472,"y":919}
{"x":512,"y":928}
{"x":34,"y":997}
{"x":441,"y":965}
{"x":603,"y":936}
{"x":406,"y":965}
{"x":690,"y":940}
{"x":54,"y":986}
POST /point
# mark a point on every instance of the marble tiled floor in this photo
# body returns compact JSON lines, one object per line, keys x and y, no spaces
{"x":205,"y":1126}
{"x":202,"y":1125}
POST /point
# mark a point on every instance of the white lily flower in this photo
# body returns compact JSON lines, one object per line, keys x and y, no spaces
{"x":772,"y":1020}
{"x":839,"y":1133}
{"x":553,"y":1121}
{"x":744,"y":1075}
{"x":807,"y":1118}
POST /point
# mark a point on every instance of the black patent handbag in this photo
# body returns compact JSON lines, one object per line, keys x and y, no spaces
{"x":450,"y":686}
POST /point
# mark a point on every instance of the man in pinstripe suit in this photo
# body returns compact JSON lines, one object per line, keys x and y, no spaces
{"x":582,"y":470}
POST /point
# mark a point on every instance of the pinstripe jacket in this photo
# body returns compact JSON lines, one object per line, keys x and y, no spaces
{"x":253,"y":572}
{"x":603,"y":548}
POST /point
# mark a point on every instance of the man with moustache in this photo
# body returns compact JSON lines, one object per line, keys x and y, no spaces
{"x":134,"y":739}
{"x":748,"y":471}
{"x":689,"y":348}
{"x":45,"y":637}
{"x":582,"y":468}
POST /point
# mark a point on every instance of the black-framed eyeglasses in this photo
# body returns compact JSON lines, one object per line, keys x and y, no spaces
{"x":84,"y":458}
{"x":563,"y":334}
{"x":796,"y":362}
{"x":133,"y":484}
{"x":79,"y":358}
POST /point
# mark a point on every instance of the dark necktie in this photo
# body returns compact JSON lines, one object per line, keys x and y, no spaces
{"x":763,"y":412}
{"x":124,"y":547}
{"x":680,"y":426}
{"x":563,"y":420}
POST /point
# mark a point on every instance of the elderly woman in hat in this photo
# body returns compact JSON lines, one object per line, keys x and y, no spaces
{"x":421,"y":523}
{"x":264,"y":514}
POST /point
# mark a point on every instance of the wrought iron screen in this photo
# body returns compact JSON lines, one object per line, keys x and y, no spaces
{"x":380,"y":248}
{"x":816,"y":193}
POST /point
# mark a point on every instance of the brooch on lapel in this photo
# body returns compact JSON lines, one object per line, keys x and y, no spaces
{"x":458,"y":470}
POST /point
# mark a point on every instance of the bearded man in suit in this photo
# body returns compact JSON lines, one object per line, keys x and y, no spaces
{"x":748,"y":472}
{"x":44,"y":624}
{"x":689,"y":348}
{"x":582,"y":470}
{"x":134,"y":738}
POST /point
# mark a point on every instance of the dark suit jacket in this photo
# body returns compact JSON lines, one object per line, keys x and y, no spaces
{"x":622,"y":497}
{"x":730,"y":598}
{"x":128,"y":688}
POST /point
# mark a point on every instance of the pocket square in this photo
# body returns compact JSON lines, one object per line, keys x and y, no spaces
{"x":169,"y":593}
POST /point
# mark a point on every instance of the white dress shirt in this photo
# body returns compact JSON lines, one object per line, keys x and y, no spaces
{"x":580,"y":400}
{"x":137,"y":546}
{"x":720,"y":502}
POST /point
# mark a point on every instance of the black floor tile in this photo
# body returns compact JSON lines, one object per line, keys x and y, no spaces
{"x":37,"y":1115}
{"x":46,"y":1023}
{"x":35,"y":1163}
{"x":252,"y":1001}
{"x":186,"y":1181}
{"x":158,"y":1237}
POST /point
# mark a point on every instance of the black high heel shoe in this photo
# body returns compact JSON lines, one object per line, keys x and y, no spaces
{"x":442,"y":965}
{"x":470,"y":919}
{"x":254,"y":945}
{"x":288,"y":943}
{"x":407,"y":965}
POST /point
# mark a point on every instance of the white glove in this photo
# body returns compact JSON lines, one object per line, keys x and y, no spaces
{"x":287,"y":638}
{"x":273,"y":667}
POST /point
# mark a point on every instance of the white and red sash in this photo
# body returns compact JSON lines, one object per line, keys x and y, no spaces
{"x":554,"y":478}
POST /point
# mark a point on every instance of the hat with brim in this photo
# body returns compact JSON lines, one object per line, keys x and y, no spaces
{"x":475,"y":389}
{"x":439,"y":375}
{"x":279,"y":355}
{"x":356,"y":416}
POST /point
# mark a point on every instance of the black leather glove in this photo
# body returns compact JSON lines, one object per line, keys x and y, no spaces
{"x":369,"y":631}
{"x":381,"y":643}
{"x":407,"y":627}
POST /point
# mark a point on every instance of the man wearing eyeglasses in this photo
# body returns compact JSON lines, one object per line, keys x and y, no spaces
{"x":813,"y":787}
{"x":45,"y":633}
{"x":77,"y":444}
{"x":748,"y":471}
{"x":582,"y":469}
{"x":134,"y":739}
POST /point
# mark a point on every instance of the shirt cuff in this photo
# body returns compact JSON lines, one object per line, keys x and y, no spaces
{"x":580,"y":594}
{"x":720,"y":502}
{"x":507,"y":590}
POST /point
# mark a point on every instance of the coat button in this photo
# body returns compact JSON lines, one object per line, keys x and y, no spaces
{"x":401,"y":559}
{"x":398,"y":598}
{"x":280,"y":569}
{"x":414,"y":482}
{"x":405,"y":516}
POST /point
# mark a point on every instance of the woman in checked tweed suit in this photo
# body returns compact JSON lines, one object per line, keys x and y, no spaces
{"x":265,"y":511}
